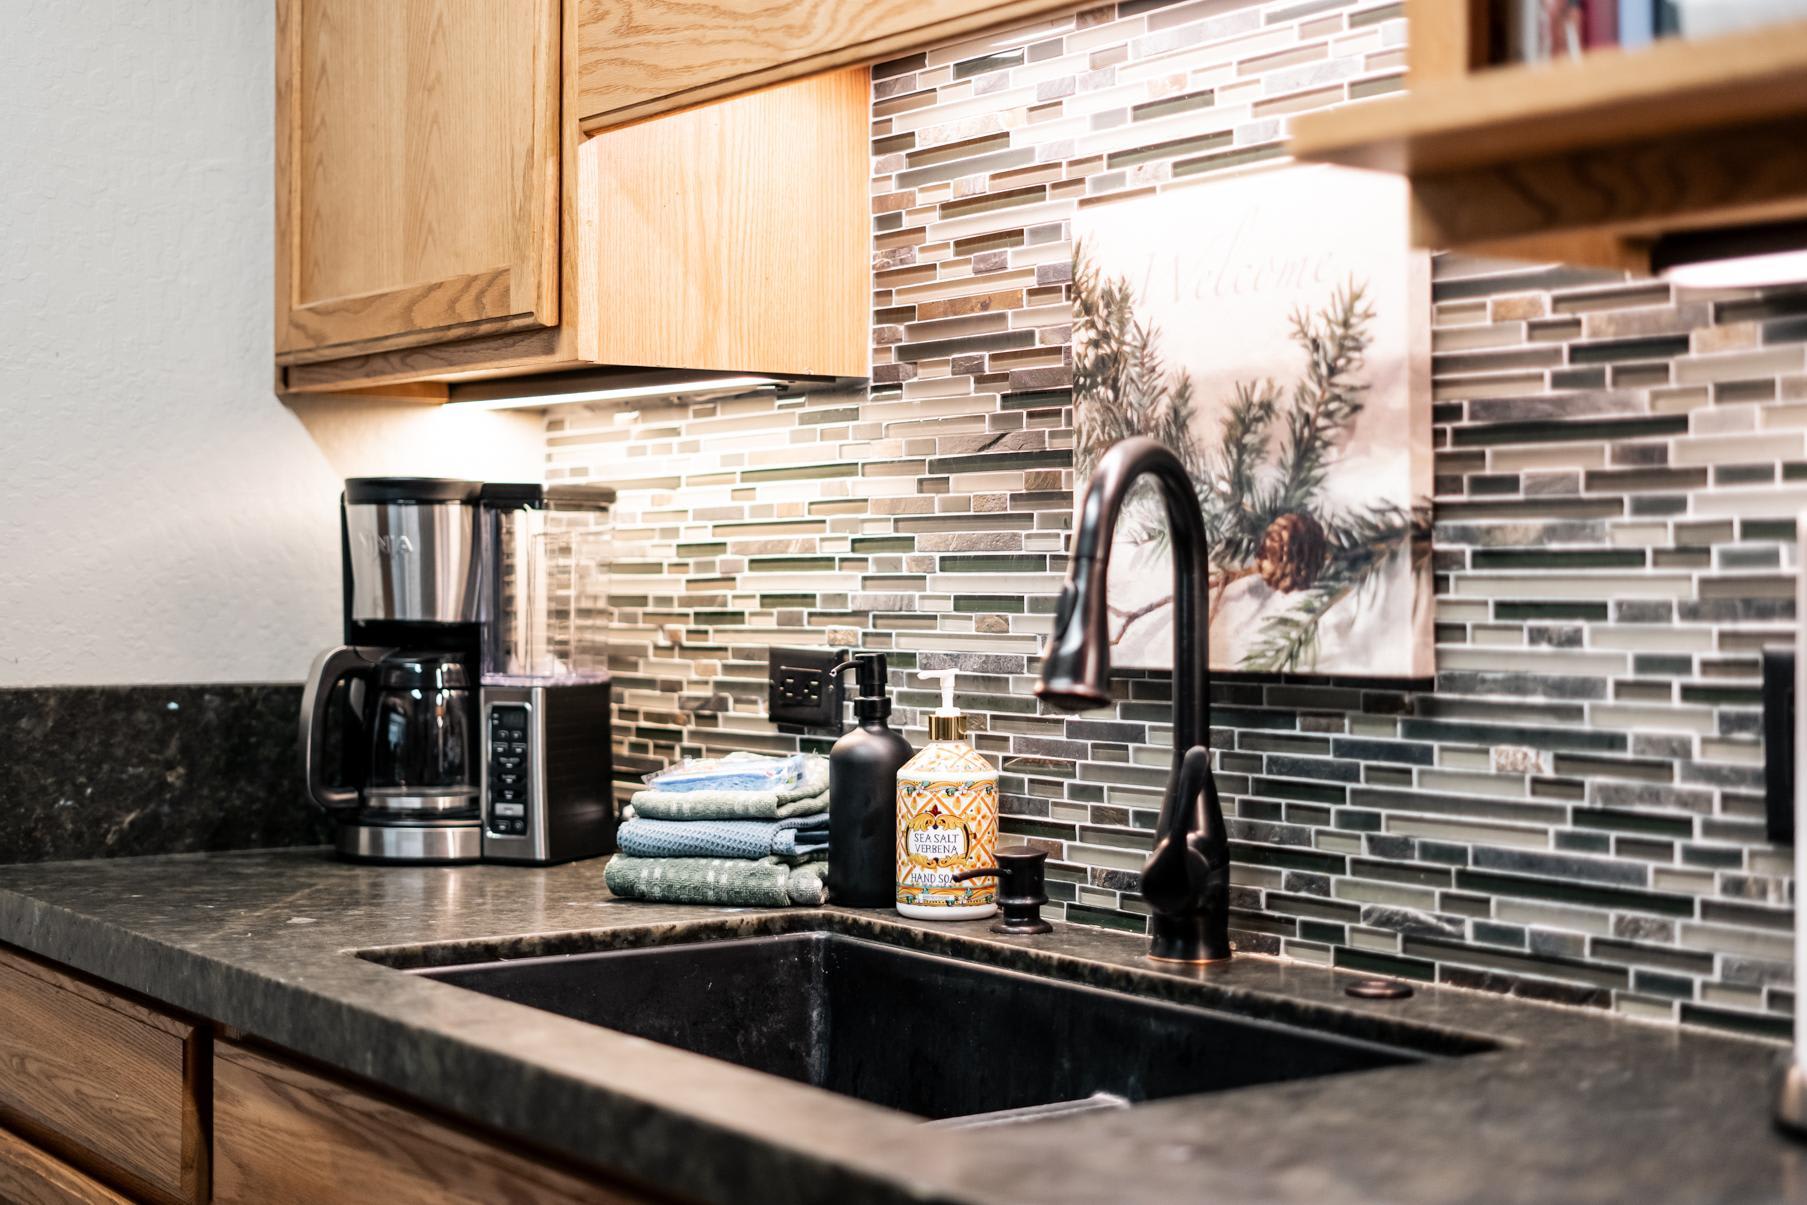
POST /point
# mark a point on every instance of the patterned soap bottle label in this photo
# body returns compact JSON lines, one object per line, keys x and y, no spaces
{"x":944,"y":827}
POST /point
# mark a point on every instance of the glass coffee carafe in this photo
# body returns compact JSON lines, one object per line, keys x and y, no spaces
{"x":408,"y":730}
{"x":422,"y":736}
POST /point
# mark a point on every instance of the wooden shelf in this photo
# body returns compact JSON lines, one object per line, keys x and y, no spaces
{"x":1590,"y":160}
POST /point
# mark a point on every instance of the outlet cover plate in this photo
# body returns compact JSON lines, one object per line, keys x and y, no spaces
{"x":802,"y":687}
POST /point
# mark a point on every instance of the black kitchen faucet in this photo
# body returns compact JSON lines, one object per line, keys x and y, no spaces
{"x":1186,"y":879}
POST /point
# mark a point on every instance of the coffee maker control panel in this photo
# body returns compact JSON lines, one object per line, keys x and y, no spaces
{"x":509,"y":769}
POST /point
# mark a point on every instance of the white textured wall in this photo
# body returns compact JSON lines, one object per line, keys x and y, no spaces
{"x":163,"y":518}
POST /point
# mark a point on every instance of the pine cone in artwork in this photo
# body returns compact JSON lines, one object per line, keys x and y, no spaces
{"x":1292,"y":552}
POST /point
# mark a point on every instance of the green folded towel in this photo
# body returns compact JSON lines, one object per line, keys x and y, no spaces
{"x":721,"y":805}
{"x":765,"y":883}
{"x":807,"y":797}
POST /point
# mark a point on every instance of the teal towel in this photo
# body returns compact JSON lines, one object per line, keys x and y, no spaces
{"x":796,"y":838}
{"x":766,"y":883}
{"x":716,"y":805}
{"x":807,"y":798}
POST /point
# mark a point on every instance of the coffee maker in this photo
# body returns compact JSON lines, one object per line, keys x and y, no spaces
{"x":466,"y":716}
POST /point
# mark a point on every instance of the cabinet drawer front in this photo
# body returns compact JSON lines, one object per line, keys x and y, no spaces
{"x":107,"y":1082}
{"x":28,"y":1176}
{"x":284,"y":1134}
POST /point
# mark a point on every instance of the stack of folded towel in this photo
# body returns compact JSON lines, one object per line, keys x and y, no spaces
{"x":743,"y":830}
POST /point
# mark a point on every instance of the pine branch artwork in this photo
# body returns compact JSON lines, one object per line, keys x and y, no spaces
{"x":1261,"y":486}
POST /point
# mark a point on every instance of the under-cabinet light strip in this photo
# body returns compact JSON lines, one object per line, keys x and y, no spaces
{"x":665,"y":389}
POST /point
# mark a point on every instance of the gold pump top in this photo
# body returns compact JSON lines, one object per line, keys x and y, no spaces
{"x":945,"y":724}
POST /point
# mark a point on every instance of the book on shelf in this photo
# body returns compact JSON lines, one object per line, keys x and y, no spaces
{"x":1599,"y":23}
{"x":1566,"y":34}
{"x":1530,"y":31}
{"x":1637,"y":23}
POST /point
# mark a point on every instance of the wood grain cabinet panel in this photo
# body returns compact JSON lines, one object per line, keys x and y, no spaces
{"x":414,"y":244}
{"x":29,"y":1176}
{"x":732,"y":236}
{"x":106,"y":1083}
{"x":285,"y":1134}
{"x":417,"y":172}
{"x":640,"y":57}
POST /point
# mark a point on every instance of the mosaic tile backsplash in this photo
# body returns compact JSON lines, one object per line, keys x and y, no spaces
{"x":1572,"y":810}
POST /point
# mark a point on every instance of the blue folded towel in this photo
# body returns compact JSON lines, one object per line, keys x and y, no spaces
{"x":793,"y":837}
{"x":807,"y":796}
{"x":735,"y":772}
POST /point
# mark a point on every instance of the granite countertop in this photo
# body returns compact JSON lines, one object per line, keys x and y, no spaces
{"x":1574,"y":1105}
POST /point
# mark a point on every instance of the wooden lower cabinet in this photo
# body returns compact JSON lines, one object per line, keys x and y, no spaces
{"x":108,"y":1084}
{"x":107,"y":1099}
{"x":29,"y":1176}
{"x":282,"y":1133}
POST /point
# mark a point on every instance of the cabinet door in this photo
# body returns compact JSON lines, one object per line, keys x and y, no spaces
{"x":417,"y":172}
{"x":732,"y":236}
{"x":113,"y":1086}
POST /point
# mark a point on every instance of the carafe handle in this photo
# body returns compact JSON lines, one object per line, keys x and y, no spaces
{"x":331,"y":665}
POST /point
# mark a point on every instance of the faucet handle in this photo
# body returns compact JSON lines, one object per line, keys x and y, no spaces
{"x":1186,"y":879}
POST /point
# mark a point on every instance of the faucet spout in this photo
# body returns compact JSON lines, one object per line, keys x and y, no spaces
{"x":1186,"y":879}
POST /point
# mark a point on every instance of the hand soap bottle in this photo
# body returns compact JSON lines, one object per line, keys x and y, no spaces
{"x":947,"y":821}
{"x":862,"y":794}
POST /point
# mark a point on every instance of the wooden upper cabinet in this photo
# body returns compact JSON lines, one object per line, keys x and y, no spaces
{"x":640,"y":57}
{"x":417,"y":172}
{"x":440,"y":217}
{"x":732,"y":236}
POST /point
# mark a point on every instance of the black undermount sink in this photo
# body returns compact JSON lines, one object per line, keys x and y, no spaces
{"x":933,"y":1036}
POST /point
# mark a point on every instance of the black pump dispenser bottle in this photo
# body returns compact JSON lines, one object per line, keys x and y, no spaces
{"x":862,"y":795}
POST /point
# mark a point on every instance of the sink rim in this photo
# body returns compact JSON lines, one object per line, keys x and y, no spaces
{"x":1009,"y":973}
{"x":817,"y":943}
{"x":1376,"y":1022}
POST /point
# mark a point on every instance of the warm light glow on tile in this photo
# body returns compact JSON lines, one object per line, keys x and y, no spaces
{"x":1744,"y":272}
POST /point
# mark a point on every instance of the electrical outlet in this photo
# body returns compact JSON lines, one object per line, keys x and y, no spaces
{"x":802,"y":687}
